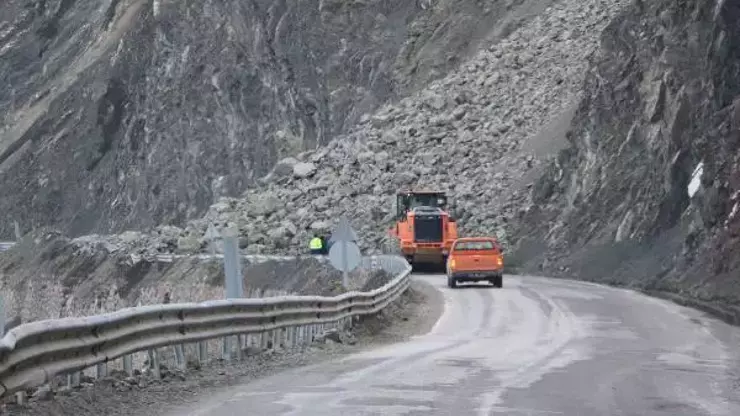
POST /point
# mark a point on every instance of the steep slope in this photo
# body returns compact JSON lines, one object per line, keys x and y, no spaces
{"x":122,"y":114}
{"x":476,"y":133}
{"x":662,"y":99}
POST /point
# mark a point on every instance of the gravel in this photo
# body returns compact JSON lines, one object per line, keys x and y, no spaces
{"x":413,"y":314}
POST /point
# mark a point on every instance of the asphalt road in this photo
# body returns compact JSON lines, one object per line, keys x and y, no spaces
{"x":535,"y":347}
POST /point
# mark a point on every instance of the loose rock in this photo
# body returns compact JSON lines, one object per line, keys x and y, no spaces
{"x":463,"y":134}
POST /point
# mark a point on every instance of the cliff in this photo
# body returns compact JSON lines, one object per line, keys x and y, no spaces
{"x":646,"y":193}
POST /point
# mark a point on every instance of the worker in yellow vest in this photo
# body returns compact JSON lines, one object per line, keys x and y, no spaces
{"x":316,"y":245}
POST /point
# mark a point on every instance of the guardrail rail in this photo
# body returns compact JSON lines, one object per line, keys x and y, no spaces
{"x":35,"y":353}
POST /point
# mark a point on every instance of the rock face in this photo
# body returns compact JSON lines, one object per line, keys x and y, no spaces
{"x":123,"y":114}
{"x":661,"y":100}
{"x":473,"y":134}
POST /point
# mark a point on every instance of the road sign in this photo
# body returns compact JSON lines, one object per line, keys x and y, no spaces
{"x":344,"y":254}
{"x":343,"y":232}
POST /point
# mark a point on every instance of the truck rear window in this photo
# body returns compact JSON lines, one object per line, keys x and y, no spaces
{"x":474,"y":245}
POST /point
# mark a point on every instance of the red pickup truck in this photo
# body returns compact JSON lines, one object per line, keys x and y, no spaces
{"x":474,"y":259}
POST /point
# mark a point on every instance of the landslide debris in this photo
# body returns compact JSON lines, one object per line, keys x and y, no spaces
{"x":126,"y":114}
{"x":661,"y":103}
{"x":469,"y":134}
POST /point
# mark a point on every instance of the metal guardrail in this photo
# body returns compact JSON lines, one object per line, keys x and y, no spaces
{"x":33,"y":354}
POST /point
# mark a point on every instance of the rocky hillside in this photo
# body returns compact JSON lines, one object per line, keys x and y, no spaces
{"x":662,"y":100}
{"x":123,"y":114}
{"x":475,"y":133}
{"x":647,"y":92}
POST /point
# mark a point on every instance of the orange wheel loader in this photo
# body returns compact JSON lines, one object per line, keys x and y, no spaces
{"x":424,"y":229}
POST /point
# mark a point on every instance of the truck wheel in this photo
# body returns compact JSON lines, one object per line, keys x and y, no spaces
{"x":498,"y":281}
{"x":451,"y":282}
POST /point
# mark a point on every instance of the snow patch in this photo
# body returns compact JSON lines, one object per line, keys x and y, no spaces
{"x":695,"y":183}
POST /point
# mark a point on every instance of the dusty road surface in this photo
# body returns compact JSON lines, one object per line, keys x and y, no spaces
{"x":535,"y":347}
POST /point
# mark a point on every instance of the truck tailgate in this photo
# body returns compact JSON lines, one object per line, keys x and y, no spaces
{"x":478,"y":260}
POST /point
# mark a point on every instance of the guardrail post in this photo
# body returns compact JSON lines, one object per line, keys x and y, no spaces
{"x":154,"y":363}
{"x":21,"y":397}
{"x":73,"y":379}
{"x":264,"y":340}
{"x":128,"y":364}
{"x":180,"y":357}
{"x":240,"y":347}
{"x":290,"y":337}
{"x":203,"y":351}
{"x":279,"y":338}
{"x":102,"y":370}
{"x":226,"y":348}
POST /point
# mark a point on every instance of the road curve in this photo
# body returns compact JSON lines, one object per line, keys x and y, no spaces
{"x":535,"y":347}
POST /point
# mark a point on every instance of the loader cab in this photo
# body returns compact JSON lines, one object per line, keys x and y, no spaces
{"x":408,"y":201}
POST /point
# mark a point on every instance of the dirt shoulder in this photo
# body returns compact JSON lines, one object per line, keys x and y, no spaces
{"x":415,"y":313}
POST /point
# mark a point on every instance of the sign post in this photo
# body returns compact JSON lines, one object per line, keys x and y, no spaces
{"x":17,"y":230}
{"x":344,"y":254}
{"x":232,"y":265}
{"x":232,"y":279}
{"x":2,"y":317}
